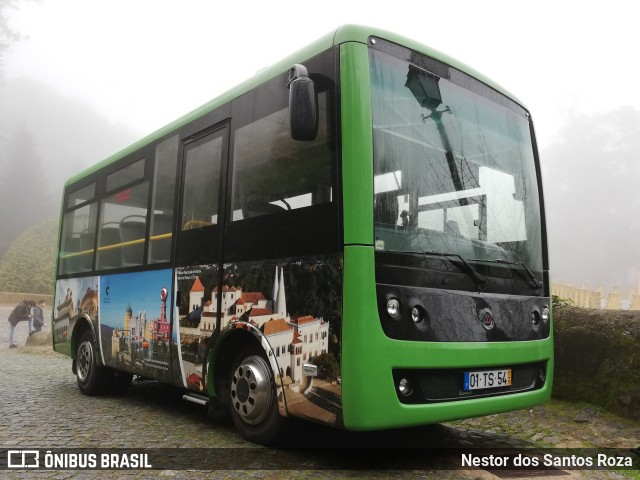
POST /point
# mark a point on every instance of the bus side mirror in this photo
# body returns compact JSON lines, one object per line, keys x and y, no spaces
{"x":303,"y":104}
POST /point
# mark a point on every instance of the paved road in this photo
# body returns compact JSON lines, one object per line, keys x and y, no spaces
{"x":41,"y":407}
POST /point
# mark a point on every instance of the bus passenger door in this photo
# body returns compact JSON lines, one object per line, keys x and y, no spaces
{"x":198,"y":258}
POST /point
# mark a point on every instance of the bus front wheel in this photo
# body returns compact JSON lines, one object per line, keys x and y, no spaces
{"x":253,"y":402}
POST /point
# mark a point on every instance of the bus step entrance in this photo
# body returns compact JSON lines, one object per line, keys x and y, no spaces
{"x":195,"y":398}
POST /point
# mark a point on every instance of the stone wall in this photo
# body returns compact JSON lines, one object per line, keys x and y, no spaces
{"x":12,"y":298}
{"x":597,"y":358}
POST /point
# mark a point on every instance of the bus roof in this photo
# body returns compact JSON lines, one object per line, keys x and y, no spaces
{"x":343,"y":34}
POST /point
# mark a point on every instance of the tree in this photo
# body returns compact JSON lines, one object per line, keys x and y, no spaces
{"x":29,"y":264}
{"x":8,"y":36}
{"x":25,"y":196}
{"x":327,"y":366}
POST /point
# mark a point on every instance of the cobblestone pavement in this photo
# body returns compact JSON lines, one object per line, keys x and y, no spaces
{"x":41,"y":407}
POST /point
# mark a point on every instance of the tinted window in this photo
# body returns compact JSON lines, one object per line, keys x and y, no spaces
{"x":125,"y":175}
{"x":82,"y":195}
{"x":274,"y":173}
{"x":201,"y":184}
{"x":162,"y":206}
{"x":78,"y":237}
{"x":121,"y":234}
{"x":282,"y":191}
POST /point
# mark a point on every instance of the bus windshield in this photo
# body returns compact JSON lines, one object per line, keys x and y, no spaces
{"x":454,"y":171}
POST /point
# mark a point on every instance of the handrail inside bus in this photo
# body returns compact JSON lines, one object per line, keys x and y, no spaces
{"x":113,"y":246}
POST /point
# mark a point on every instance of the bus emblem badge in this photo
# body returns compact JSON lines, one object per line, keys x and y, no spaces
{"x":487,"y":320}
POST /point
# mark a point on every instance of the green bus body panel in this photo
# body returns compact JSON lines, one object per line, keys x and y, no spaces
{"x":63,"y":348}
{"x":357,"y":144}
{"x":368,"y":355}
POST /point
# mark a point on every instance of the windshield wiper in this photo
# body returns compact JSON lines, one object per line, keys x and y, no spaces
{"x":538,"y":284}
{"x":479,"y":279}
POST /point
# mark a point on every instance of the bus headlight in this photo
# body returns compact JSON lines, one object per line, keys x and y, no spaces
{"x":393,"y":307}
{"x":417,"y":314}
{"x":545,"y":314}
{"x":404,"y":387}
{"x":535,"y":318}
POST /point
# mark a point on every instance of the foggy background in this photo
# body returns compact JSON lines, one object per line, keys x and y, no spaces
{"x":82,"y":79}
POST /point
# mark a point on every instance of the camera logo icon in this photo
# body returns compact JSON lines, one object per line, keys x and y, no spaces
{"x":23,"y":459}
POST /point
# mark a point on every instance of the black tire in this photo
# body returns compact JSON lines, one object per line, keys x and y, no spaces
{"x":92,"y":378}
{"x":218,"y":406}
{"x":253,"y":399}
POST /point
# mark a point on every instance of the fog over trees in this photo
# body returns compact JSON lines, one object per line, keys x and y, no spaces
{"x":8,"y":35}
{"x":592,"y":173}
{"x":45,"y":138}
{"x":25,"y":195}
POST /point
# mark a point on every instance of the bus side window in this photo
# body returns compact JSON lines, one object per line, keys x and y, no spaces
{"x":72,"y":263}
{"x":121,"y":238}
{"x":109,"y":249}
{"x":201,"y":183}
{"x":132,"y":230}
{"x":78,"y":234}
{"x":273,"y":173}
{"x":87,"y":239}
{"x":160,"y":246}
{"x":163,"y":200}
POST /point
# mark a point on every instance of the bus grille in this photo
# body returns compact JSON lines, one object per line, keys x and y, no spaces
{"x":447,"y":385}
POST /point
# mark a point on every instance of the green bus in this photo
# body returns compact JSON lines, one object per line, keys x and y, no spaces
{"x":354,"y":236}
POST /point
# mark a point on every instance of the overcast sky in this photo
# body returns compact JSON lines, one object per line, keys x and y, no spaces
{"x":143,"y":63}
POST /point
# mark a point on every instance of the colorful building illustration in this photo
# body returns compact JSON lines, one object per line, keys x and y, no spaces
{"x":69,"y":306}
{"x":139,"y":336}
{"x":294,"y":341}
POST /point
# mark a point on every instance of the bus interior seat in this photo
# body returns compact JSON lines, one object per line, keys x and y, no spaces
{"x":131,"y":230}
{"x":386,"y":207}
{"x":111,"y":258}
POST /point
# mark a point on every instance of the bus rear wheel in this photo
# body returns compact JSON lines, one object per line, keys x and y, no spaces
{"x":94,"y":379}
{"x":253,"y":401}
{"x":91,"y":376}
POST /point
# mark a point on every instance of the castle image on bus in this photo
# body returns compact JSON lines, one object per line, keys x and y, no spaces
{"x":293,"y":340}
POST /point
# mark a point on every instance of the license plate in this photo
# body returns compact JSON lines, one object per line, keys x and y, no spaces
{"x":487,"y":379}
